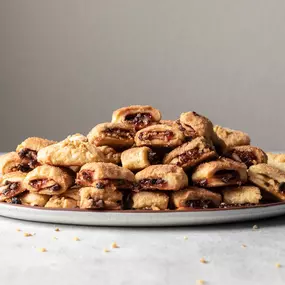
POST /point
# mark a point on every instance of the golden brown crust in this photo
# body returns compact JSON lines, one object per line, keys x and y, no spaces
{"x":33,"y":199}
{"x":111,"y":155}
{"x":221,"y":172}
{"x":191,"y":153}
{"x":225,"y":138}
{"x":61,"y":202}
{"x":95,"y":198}
{"x":73,"y":151}
{"x":149,"y":200}
{"x":159,"y":136}
{"x":194,"y":197}
{"x":162,"y":177}
{"x":241,"y":195}
{"x":137,"y":116}
{"x":270,"y":179}
{"x":195,"y":125}
{"x":249,"y":155}
{"x":34,"y":143}
{"x":9,"y":162}
{"x":277,"y":160}
{"x":136,"y":158}
{"x":104,"y":174}
{"x":49,"y":180}
{"x":11,"y":185}
{"x":116,"y":135}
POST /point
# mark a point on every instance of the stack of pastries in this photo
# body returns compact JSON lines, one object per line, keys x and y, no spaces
{"x":139,"y":161}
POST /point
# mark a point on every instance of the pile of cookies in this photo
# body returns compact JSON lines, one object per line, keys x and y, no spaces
{"x":138,"y":161}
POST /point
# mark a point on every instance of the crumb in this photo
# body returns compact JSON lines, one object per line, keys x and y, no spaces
{"x":185,"y":238}
{"x":18,"y":230}
{"x":42,"y":249}
{"x":54,"y":238}
{"x":278,"y":265}
{"x":56,"y":229}
{"x":255,"y":227}
{"x":106,"y":250}
{"x":27,"y":235}
{"x":76,"y":239}
{"x":202,"y":260}
{"x":243,"y":245}
{"x":200,"y":282}
{"x":114,"y":245}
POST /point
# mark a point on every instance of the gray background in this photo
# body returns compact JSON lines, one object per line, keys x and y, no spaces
{"x":65,"y":65}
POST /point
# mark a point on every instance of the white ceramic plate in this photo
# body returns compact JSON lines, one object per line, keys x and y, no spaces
{"x":141,"y":218}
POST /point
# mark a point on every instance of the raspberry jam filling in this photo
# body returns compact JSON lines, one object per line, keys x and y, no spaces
{"x":227,"y":175}
{"x":118,"y":133}
{"x":45,"y":184}
{"x":139,"y":119}
{"x":160,"y":135}
{"x":188,"y":155}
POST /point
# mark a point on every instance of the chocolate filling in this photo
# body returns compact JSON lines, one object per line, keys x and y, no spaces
{"x":160,"y":135}
{"x":118,"y":133}
{"x":247,"y":157}
{"x":40,"y":184}
{"x":153,"y":158}
{"x":140,"y":119}
{"x":281,"y":187}
{"x":188,"y":155}
{"x":29,"y":158}
{"x":11,"y":187}
{"x":227,"y":175}
{"x":159,"y":182}
{"x":198,"y":204}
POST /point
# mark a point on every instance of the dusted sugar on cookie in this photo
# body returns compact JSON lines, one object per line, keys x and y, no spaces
{"x":73,"y":151}
{"x":225,"y":138}
{"x":97,"y":198}
{"x":136,"y":116}
{"x":249,"y":155}
{"x":277,"y":160}
{"x":191,"y":153}
{"x":10,"y":162}
{"x":195,"y":198}
{"x":111,"y":155}
{"x":270,"y":179}
{"x":242,"y":195}
{"x":138,"y":158}
{"x":159,"y":136}
{"x":11,"y":185}
{"x":162,"y":177}
{"x":49,"y":180}
{"x":221,"y":172}
{"x":149,"y":200}
{"x":101,"y":175}
{"x":195,"y":125}
{"x":115,"y":135}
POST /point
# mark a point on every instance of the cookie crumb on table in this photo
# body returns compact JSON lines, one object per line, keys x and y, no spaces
{"x":56,"y":229}
{"x":200,"y":282}
{"x":243,"y":245}
{"x":185,"y":238}
{"x":27,"y":235}
{"x":55,"y":238}
{"x":278,"y":265}
{"x":42,"y":249}
{"x":202,"y":260}
{"x":114,"y":245}
{"x":76,"y":239}
{"x":255,"y":227}
{"x":106,"y":250}
{"x":18,"y":230}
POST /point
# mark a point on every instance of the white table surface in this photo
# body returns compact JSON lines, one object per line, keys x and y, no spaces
{"x":153,"y":256}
